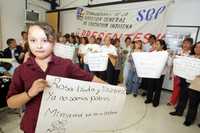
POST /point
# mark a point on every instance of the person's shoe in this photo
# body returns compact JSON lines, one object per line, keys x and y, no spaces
{"x":144,"y":94}
{"x":187,"y":123}
{"x":169,"y":104}
{"x":147,"y":101}
{"x":155,"y":105}
{"x":128,"y":92}
{"x":199,"y":125}
{"x":135,"y":95}
{"x":176,"y":113}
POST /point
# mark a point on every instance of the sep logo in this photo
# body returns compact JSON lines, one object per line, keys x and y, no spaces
{"x":149,"y":14}
{"x":80,"y":13}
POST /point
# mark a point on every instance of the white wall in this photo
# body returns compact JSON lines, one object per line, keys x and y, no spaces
{"x":72,"y":3}
{"x":12,"y":13}
{"x":39,"y":6}
{"x":185,"y":12}
{"x":12,"y":19}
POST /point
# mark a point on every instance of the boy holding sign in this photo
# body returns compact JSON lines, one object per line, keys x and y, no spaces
{"x":29,"y":81}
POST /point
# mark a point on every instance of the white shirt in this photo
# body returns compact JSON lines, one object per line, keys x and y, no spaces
{"x":181,"y":53}
{"x":92,"y":48}
{"x":109,"y":49}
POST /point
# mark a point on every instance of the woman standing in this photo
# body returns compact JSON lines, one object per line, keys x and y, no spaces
{"x":155,"y":84}
{"x":133,"y":81}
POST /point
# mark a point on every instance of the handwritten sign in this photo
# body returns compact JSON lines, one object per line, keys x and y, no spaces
{"x":186,"y":67}
{"x":73,"y":106}
{"x":97,"y":61}
{"x":64,"y":51}
{"x":150,"y":64}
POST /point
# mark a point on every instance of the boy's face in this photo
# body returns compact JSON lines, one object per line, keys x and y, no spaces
{"x":38,"y":43}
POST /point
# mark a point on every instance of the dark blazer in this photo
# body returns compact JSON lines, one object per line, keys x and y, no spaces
{"x":8,"y":54}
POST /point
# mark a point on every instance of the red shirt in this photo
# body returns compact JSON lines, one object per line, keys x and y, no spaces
{"x":28,"y":72}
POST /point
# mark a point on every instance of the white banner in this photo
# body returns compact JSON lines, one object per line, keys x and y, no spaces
{"x":97,"y":61}
{"x":138,"y":22}
{"x":150,"y":64}
{"x":186,"y":67}
{"x":73,"y":106}
{"x":64,"y":51}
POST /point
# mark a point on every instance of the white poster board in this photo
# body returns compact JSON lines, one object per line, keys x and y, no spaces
{"x":73,"y":106}
{"x":150,"y":64}
{"x":64,"y":51}
{"x":97,"y":61}
{"x":186,"y":67}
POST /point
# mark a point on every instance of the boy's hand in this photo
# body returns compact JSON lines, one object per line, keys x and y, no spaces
{"x":37,"y":86}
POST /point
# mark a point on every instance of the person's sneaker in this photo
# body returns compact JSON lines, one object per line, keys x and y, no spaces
{"x":135,"y":95}
{"x":199,"y":125}
{"x":147,"y":101}
{"x":176,"y":113}
{"x":169,"y":104}
{"x":155,"y":105}
{"x":128,"y":92}
{"x":187,"y":123}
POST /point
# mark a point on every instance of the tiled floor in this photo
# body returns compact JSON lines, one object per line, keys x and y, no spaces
{"x":137,"y":118}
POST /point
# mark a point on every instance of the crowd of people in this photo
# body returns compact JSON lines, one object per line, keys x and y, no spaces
{"x":120,"y":69}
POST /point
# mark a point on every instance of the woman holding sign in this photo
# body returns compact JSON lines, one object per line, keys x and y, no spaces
{"x":183,"y":98}
{"x":29,"y":81}
{"x":133,"y":81}
{"x":194,"y":93}
{"x":111,"y":51}
{"x":178,"y":82}
{"x":155,"y":85}
{"x":92,"y":47}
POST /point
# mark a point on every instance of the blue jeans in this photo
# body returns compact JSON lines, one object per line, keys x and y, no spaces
{"x":133,"y":82}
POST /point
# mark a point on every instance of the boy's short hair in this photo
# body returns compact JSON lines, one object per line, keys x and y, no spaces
{"x":48,"y":30}
{"x":9,"y":41}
